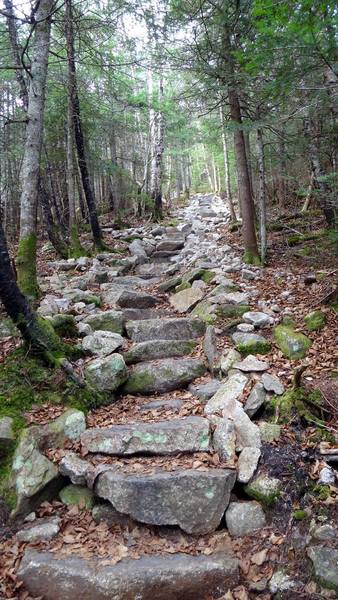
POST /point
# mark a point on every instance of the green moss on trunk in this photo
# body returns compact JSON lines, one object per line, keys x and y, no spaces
{"x":26,"y":267}
{"x":76,"y":249}
{"x":251,"y":258}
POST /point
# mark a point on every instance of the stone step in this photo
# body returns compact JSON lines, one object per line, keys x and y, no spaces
{"x":193,"y":499}
{"x":162,"y":349}
{"x":161,"y":577}
{"x":163,"y":375}
{"x":164,"y":437}
{"x":133,"y":299}
{"x":165,"y":329}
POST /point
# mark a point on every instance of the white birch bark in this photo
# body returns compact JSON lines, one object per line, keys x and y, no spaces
{"x":261,"y":194}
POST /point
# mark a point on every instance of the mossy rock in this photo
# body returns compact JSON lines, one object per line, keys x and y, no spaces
{"x":198,"y":273}
{"x":315,"y":320}
{"x":207,"y":276}
{"x":182,"y":286}
{"x":77,"y":495}
{"x":264,"y":489}
{"x":170,"y":284}
{"x":298,"y":402}
{"x":65,"y":326}
{"x":293,"y":345}
{"x":253,"y":347}
{"x":235,"y":226}
{"x":295,"y":239}
{"x":226,"y":311}
{"x":206,"y":311}
{"x":7,"y":328}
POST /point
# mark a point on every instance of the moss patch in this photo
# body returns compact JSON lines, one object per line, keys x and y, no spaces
{"x":231,"y":310}
{"x":65,"y":325}
{"x":293,"y":345}
{"x":26,"y":267}
{"x":315,"y":320}
{"x":251,"y":259}
{"x":253,"y":347}
{"x":182,"y":286}
{"x":298,"y":402}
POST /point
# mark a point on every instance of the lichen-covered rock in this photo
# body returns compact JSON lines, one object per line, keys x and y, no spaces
{"x":204,"y":391}
{"x":102,"y":343}
{"x":228,"y":359}
{"x":226,"y":396}
{"x":198,"y":273}
{"x":170,"y":284}
{"x":74,"y":467}
{"x":265,"y":489}
{"x":210,"y":347}
{"x":163,"y":375}
{"x":273,"y":384}
{"x":134,"y":299}
{"x":185,"y":300}
{"x":224,"y":438}
{"x":205,"y":311}
{"x":244,"y":517}
{"x":41,"y":530}
{"x":77,"y":495}
{"x":255,"y":400}
{"x":67,"y":426}
{"x":165,"y":329}
{"x":194,"y":500}
{"x":250,"y":343}
{"x":6,"y":432}
{"x":251,"y":364}
{"x":315,"y":320}
{"x":145,"y":351}
{"x":293,"y":344}
{"x":163,"y":437}
{"x":258,"y":319}
{"x":109,"y":320}
{"x":107,"y":374}
{"x":247,"y":463}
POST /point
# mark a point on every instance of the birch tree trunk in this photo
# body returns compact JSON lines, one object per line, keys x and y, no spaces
{"x":156,"y":169}
{"x":26,"y":255}
{"x":261,"y":194}
{"x":78,"y":132}
{"x":226,"y":167}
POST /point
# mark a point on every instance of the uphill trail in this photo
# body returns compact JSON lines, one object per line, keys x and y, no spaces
{"x":201,"y":476}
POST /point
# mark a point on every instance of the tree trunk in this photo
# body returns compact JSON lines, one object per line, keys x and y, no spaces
{"x":261,"y":194}
{"x":15,"y":46}
{"x":226,"y":167}
{"x":157,"y":158}
{"x":244,"y":187}
{"x":26,"y":256}
{"x":78,"y":133}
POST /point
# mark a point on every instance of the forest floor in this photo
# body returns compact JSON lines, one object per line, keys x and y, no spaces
{"x":274,"y":559}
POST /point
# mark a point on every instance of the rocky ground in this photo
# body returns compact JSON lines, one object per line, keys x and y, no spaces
{"x":207,"y":467}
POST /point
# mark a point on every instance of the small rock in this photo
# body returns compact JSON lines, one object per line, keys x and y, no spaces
{"x":163,"y":375}
{"x":244,"y":517}
{"x":327,"y":476}
{"x":281,"y":582}
{"x":210,"y":346}
{"x":109,"y":320}
{"x":324,"y":533}
{"x":250,"y":343}
{"x":227,"y":394}
{"x":249,"y":275}
{"x":251,"y":363}
{"x":270,"y":432}
{"x":84,"y":329}
{"x":255,"y":400}
{"x":247,"y":463}
{"x":102,"y":343}
{"x":228,"y":359}
{"x":106,"y":512}
{"x":247,"y":433}
{"x":293,"y":345}
{"x":273,"y":384}
{"x":257,"y":319}
{"x":74,"y":467}
{"x":204,"y":391}
{"x":224,"y":438}
{"x":265,"y":489}
{"x":245,"y":327}
{"x":42,"y":530}
{"x":107,"y":374}
{"x":77,"y":495}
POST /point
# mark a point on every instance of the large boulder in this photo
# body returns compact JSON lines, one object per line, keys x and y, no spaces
{"x":162,"y":349}
{"x":163,"y":437}
{"x":165,"y":329}
{"x":194,"y":500}
{"x":160,"y":577}
{"x":109,"y":320}
{"x":163,"y":376}
{"x":186,"y":299}
{"x":293,"y":344}
{"x":107,"y":374}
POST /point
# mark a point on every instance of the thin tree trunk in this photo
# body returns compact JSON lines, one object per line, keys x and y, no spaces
{"x":15,"y":46}
{"x":26,"y":256}
{"x":78,"y":133}
{"x":306,"y":204}
{"x":261,"y":194}
{"x":157,"y":159}
{"x":226,"y":167}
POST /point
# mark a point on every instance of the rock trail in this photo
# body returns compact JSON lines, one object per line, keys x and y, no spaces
{"x":159,"y":332}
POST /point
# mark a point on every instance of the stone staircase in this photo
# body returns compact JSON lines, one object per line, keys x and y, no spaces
{"x":171,"y":495}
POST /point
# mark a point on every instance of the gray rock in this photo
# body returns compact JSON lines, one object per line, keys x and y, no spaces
{"x":247,"y":338}
{"x":210,"y":346}
{"x":258,"y":319}
{"x":161,"y":349}
{"x":185,"y":300}
{"x":204,"y":391}
{"x":6,"y":431}
{"x":226,"y":396}
{"x":264,"y":488}
{"x":163,"y":437}
{"x":273,"y":384}
{"x":67,"y":426}
{"x":163,"y":375}
{"x":74,"y":467}
{"x":163,"y":404}
{"x":270,"y":432}
{"x":255,"y":399}
{"x":102,"y":343}
{"x":140,"y":314}
{"x":107,"y":374}
{"x":131,"y":281}
{"x":160,"y":577}
{"x":251,"y":363}
{"x":77,"y":495}
{"x":327,"y":476}
{"x":170,"y":245}
{"x":249,"y":275}
{"x":109,"y":320}
{"x":168,"y":329}
{"x":224,"y":438}
{"x":281,"y":582}
{"x":247,"y":433}
{"x":84,"y":329}
{"x":42,"y":530}
{"x":237,"y":298}
{"x":244,"y":517}
{"x":247,"y":463}
{"x":136,"y":248}
{"x":106,"y":512}
{"x":228,"y":359}
{"x":245,"y":327}
{"x":324,"y":533}
{"x":133,"y":299}
{"x":170,"y":284}
{"x":162,"y":498}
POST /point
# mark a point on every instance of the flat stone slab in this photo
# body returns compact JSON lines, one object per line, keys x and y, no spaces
{"x":163,"y":375}
{"x":204,"y":391}
{"x":255,"y":400}
{"x":165,"y":329}
{"x":164,"y":437}
{"x":161,"y":577}
{"x":258,"y":319}
{"x":102,"y":343}
{"x":194,"y":500}
{"x":42,"y":529}
{"x":251,"y":363}
{"x":186,"y":299}
{"x":109,"y":320}
{"x":227,"y":394}
{"x":161,"y":349}
{"x":132,"y":299}
{"x":273,"y":384}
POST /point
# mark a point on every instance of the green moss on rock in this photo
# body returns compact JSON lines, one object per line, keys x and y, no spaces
{"x":264,"y":489}
{"x":182,"y":286}
{"x":65,"y":326}
{"x":298,"y":402}
{"x":293,"y":345}
{"x":231,"y":310}
{"x":77,"y":495}
{"x":315,"y":320}
{"x":253,"y":347}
